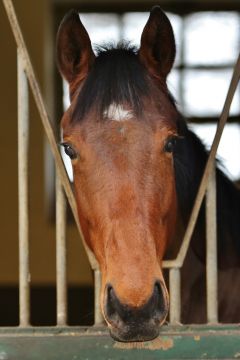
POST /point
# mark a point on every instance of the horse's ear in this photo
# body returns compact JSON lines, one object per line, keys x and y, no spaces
{"x":157,"y":50}
{"x":74,"y":51}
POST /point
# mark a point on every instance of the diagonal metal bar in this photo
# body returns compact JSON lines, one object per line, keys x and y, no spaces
{"x":178,"y":262}
{"x":45,"y":120}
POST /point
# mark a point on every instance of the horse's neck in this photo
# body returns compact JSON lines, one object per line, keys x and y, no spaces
{"x":228,"y":209}
{"x":193,"y":292}
{"x":228,"y":224}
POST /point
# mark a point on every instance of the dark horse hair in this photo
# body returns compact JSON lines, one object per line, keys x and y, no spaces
{"x":117,"y":76}
{"x":189,"y":160}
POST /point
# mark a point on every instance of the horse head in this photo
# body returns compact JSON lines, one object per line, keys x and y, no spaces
{"x":120,"y":133}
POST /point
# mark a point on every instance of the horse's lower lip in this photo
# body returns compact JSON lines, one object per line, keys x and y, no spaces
{"x":134,"y":335}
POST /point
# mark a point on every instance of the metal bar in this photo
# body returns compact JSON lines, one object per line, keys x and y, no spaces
{"x":98,"y":318}
{"x":46,"y":122}
{"x":211,"y":119}
{"x":211,"y":249}
{"x":61,"y":253}
{"x":23,"y":144}
{"x":78,"y":343}
{"x":214,"y":67}
{"x":178,"y":262}
{"x":175,"y":295}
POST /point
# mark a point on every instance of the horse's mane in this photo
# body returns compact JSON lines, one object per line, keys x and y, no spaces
{"x":116,"y":77}
{"x":189,"y":161}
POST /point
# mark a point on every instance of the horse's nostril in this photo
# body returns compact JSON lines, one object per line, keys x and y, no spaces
{"x":111,"y":304}
{"x":114,"y":309}
{"x":159,"y":299}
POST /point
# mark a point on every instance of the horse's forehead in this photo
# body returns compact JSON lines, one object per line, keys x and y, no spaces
{"x":119,"y":126}
{"x":119,"y":122}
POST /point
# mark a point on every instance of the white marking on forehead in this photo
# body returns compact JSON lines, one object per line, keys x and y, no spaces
{"x":117,"y":113}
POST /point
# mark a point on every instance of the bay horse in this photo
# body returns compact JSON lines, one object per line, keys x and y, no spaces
{"x":136,"y":169}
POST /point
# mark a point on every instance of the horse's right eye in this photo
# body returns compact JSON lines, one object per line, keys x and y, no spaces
{"x":69,"y":151}
{"x":170,"y":144}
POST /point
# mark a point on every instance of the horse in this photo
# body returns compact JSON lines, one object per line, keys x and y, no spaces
{"x":137,"y":167}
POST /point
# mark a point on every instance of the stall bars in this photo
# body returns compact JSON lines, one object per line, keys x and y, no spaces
{"x":207,"y":186}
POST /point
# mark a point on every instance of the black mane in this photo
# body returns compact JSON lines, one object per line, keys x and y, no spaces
{"x":189,"y":162}
{"x":116,"y":77}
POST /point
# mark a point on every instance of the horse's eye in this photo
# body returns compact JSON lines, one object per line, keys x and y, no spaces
{"x":170,"y":144}
{"x":69,"y":151}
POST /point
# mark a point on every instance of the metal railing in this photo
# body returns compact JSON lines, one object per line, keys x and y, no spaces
{"x":27,"y":76}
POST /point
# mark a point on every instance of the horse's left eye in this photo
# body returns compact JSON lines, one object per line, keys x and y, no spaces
{"x":170,"y":144}
{"x":69,"y":151}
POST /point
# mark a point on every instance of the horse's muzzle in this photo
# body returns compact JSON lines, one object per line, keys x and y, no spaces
{"x":129,"y":324}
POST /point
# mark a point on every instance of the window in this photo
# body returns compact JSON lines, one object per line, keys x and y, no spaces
{"x":207,"y":48}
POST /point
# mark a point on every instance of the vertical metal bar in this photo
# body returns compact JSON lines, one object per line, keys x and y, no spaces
{"x":175,"y":295}
{"x":61,"y":253}
{"x":211,"y":249}
{"x":98,"y":318}
{"x":23,"y":144}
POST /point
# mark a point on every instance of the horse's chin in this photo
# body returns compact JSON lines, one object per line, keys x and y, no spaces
{"x":131,"y":334}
